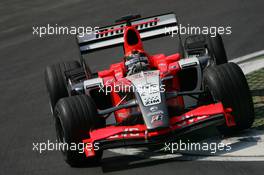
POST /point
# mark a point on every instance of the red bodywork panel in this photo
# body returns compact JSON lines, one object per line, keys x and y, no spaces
{"x":128,"y":47}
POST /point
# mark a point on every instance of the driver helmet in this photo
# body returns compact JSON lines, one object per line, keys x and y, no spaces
{"x":136,"y":62}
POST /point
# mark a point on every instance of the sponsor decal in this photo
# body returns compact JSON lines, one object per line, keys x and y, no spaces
{"x":153,"y":108}
{"x":153,"y":100}
{"x":126,"y":134}
{"x":156,"y":118}
{"x":159,"y":112}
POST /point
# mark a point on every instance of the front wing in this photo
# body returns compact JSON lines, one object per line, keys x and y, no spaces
{"x":138,"y":135}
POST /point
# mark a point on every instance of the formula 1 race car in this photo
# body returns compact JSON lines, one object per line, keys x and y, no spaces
{"x":145,"y":93}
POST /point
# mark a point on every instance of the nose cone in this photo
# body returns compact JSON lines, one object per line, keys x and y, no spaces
{"x":151,"y":99}
{"x":132,"y":41}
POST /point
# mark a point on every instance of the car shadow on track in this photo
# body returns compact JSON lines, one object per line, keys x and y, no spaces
{"x":120,"y":163}
{"x":152,"y":158}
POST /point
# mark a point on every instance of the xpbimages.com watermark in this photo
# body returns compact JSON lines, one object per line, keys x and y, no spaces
{"x":146,"y":89}
{"x":56,"y":29}
{"x":41,"y":147}
{"x":196,"y":30}
{"x":211,"y":147}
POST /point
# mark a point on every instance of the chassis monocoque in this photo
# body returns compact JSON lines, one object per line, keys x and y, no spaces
{"x":148,"y":104}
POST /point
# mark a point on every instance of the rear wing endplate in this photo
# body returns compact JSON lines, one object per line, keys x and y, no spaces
{"x":110,"y":36}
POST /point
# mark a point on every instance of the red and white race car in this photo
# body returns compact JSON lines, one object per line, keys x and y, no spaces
{"x":145,"y":92}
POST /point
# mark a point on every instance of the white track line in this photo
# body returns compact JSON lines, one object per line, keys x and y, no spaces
{"x":252,"y":66}
{"x":248,"y":65}
{"x":248,"y":56}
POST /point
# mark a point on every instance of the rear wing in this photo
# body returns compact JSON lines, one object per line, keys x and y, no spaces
{"x":110,"y":36}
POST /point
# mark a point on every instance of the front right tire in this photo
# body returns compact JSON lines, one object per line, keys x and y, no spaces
{"x":227,"y":83}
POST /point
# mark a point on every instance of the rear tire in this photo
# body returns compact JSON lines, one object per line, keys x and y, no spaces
{"x":181,"y":50}
{"x":217,"y":49}
{"x":197,"y":44}
{"x":55,"y":80}
{"x":75,"y":117}
{"x":227,"y":83}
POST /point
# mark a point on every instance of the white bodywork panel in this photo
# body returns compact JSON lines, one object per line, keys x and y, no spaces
{"x":147,"y":84}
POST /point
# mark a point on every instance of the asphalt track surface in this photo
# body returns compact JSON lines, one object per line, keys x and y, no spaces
{"x":25,"y":117}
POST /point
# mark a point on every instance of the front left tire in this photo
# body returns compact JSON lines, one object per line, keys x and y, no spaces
{"x":75,"y":116}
